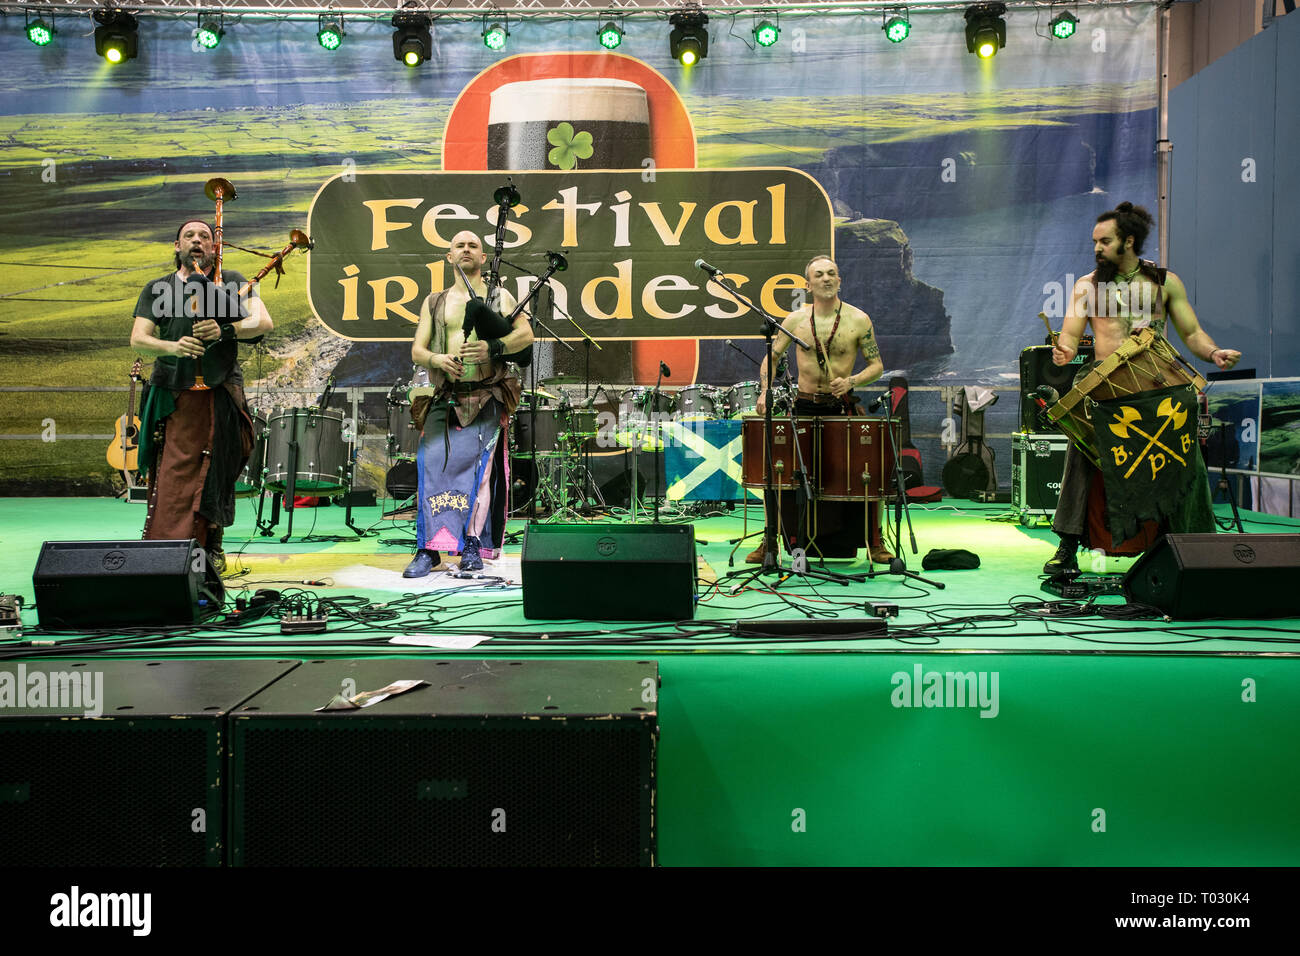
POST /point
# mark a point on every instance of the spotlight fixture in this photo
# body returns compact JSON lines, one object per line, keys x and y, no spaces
{"x":412,"y":41}
{"x":329,"y":32}
{"x":896,"y":25}
{"x":38,"y":31}
{"x":494,"y":37}
{"x":689,"y":41}
{"x":1063,"y":25}
{"x":115,"y":37}
{"x":610,"y":36}
{"x":766,"y":33}
{"x":211,"y":30}
{"x":986,"y":31}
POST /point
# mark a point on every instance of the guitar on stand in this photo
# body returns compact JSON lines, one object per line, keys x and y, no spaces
{"x":123,"y":450}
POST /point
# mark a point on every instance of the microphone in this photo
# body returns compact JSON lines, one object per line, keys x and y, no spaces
{"x":506,"y":195}
{"x":711,"y":270}
{"x":1047,"y":393}
{"x":665,"y":371}
{"x":557,"y":261}
{"x":880,"y":399}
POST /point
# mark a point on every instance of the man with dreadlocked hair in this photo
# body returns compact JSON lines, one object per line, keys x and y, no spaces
{"x":1123,"y":295}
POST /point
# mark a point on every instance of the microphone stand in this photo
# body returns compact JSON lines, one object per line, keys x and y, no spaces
{"x":654,"y":430}
{"x":898,"y":565}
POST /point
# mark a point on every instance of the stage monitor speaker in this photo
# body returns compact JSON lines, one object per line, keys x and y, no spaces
{"x":1036,"y":369}
{"x":107,"y":584}
{"x":609,"y":572}
{"x":118,"y":763}
{"x":494,"y":763}
{"x":1190,"y":576}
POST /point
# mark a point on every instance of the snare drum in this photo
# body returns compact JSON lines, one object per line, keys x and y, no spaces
{"x":784,"y":461}
{"x":856,"y":458}
{"x":322,"y":452}
{"x":1143,"y":363}
{"x":250,"y":479}
{"x":701,"y":403}
{"x":742,"y":399}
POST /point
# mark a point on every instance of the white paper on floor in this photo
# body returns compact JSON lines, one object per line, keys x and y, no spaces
{"x":378,"y":579}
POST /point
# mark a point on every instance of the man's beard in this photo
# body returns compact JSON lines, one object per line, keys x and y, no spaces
{"x":1106,"y":270}
{"x":205,"y":262}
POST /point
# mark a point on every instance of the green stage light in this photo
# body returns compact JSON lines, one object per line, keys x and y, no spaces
{"x":494,"y":37}
{"x":330,"y":32}
{"x":40,"y":32}
{"x":1063,"y":25}
{"x":610,"y":36}
{"x":986,"y":31}
{"x":897,"y":29}
{"x":115,"y":37}
{"x":209,"y":34}
{"x":689,"y":41}
{"x":412,"y":41}
{"x":766,"y":33}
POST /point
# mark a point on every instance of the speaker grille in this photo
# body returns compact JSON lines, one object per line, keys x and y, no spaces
{"x":109,"y":793}
{"x":510,"y":791}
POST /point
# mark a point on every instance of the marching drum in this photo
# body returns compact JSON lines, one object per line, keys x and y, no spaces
{"x":742,"y":399}
{"x":1143,"y":363}
{"x":856,"y":458}
{"x":701,"y":403}
{"x":784,"y":462}
{"x":250,"y":480}
{"x":322,"y":452}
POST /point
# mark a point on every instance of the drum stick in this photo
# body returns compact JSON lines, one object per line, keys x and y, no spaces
{"x":1050,"y":334}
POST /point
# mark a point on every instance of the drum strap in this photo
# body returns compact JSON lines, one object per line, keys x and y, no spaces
{"x":817,"y":345}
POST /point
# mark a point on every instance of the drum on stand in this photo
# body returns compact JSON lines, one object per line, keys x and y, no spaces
{"x":250,"y":480}
{"x":639,"y":413}
{"x":701,"y":403}
{"x":856,"y":458}
{"x":784,"y":461}
{"x":322,"y":452}
{"x":548,"y":424}
{"x":742,"y":399}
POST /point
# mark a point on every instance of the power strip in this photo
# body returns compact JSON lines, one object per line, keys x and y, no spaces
{"x":304,"y":623}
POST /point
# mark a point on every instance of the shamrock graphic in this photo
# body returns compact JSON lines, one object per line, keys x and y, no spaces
{"x":569,"y":147}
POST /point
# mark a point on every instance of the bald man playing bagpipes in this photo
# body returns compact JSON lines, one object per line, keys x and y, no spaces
{"x":465,"y":341}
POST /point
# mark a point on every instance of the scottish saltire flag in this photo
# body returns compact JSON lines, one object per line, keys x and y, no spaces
{"x":702,"y":461}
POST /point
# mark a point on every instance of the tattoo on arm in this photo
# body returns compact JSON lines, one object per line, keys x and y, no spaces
{"x":869,"y":347}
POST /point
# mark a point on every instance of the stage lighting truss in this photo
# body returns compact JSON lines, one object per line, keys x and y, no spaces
{"x":766,"y":33}
{"x":329,"y":30}
{"x":986,"y":31}
{"x":1063,"y":25}
{"x":211,"y":28}
{"x":115,"y":37}
{"x":689,"y":41}
{"x":412,"y":41}
{"x":40,"y":31}
{"x":610,"y":36}
{"x":896,"y":24}
{"x":495,"y":36}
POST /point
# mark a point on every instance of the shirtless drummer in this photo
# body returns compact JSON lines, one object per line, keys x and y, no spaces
{"x":838,"y":331}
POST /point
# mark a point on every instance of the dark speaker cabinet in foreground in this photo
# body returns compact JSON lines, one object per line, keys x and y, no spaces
{"x":494,"y":763}
{"x":609,"y":572}
{"x":1192,"y":576}
{"x":131,"y":773}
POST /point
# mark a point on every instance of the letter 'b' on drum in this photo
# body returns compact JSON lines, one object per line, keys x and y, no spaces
{"x":524,"y":130}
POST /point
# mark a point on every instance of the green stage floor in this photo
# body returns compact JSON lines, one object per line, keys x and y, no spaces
{"x":978,"y":730}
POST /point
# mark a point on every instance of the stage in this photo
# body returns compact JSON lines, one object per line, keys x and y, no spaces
{"x":989,"y":723}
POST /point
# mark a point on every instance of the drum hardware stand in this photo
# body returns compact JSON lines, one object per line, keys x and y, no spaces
{"x":901,"y":508}
{"x":655,"y":429}
{"x":1224,"y":484}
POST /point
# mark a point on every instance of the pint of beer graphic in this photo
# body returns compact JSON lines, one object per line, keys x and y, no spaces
{"x":575,"y":123}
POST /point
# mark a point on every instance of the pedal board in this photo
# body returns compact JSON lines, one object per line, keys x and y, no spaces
{"x":1083,"y":586}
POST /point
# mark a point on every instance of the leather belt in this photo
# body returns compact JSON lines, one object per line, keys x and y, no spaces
{"x":821,"y":398}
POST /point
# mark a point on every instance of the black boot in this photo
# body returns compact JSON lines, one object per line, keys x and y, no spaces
{"x":1066,"y":560}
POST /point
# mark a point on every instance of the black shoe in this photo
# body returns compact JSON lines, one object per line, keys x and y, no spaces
{"x":470,"y":559}
{"x":422,"y":564}
{"x":1066,"y":559}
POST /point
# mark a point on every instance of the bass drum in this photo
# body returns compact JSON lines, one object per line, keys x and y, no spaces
{"x":250,"y":480}
{"x":322,"y":453}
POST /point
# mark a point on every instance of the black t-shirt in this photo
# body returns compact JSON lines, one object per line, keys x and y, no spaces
{"x":174,"y":305}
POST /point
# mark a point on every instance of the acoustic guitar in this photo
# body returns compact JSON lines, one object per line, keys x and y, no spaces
{"x":126,"y":435}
